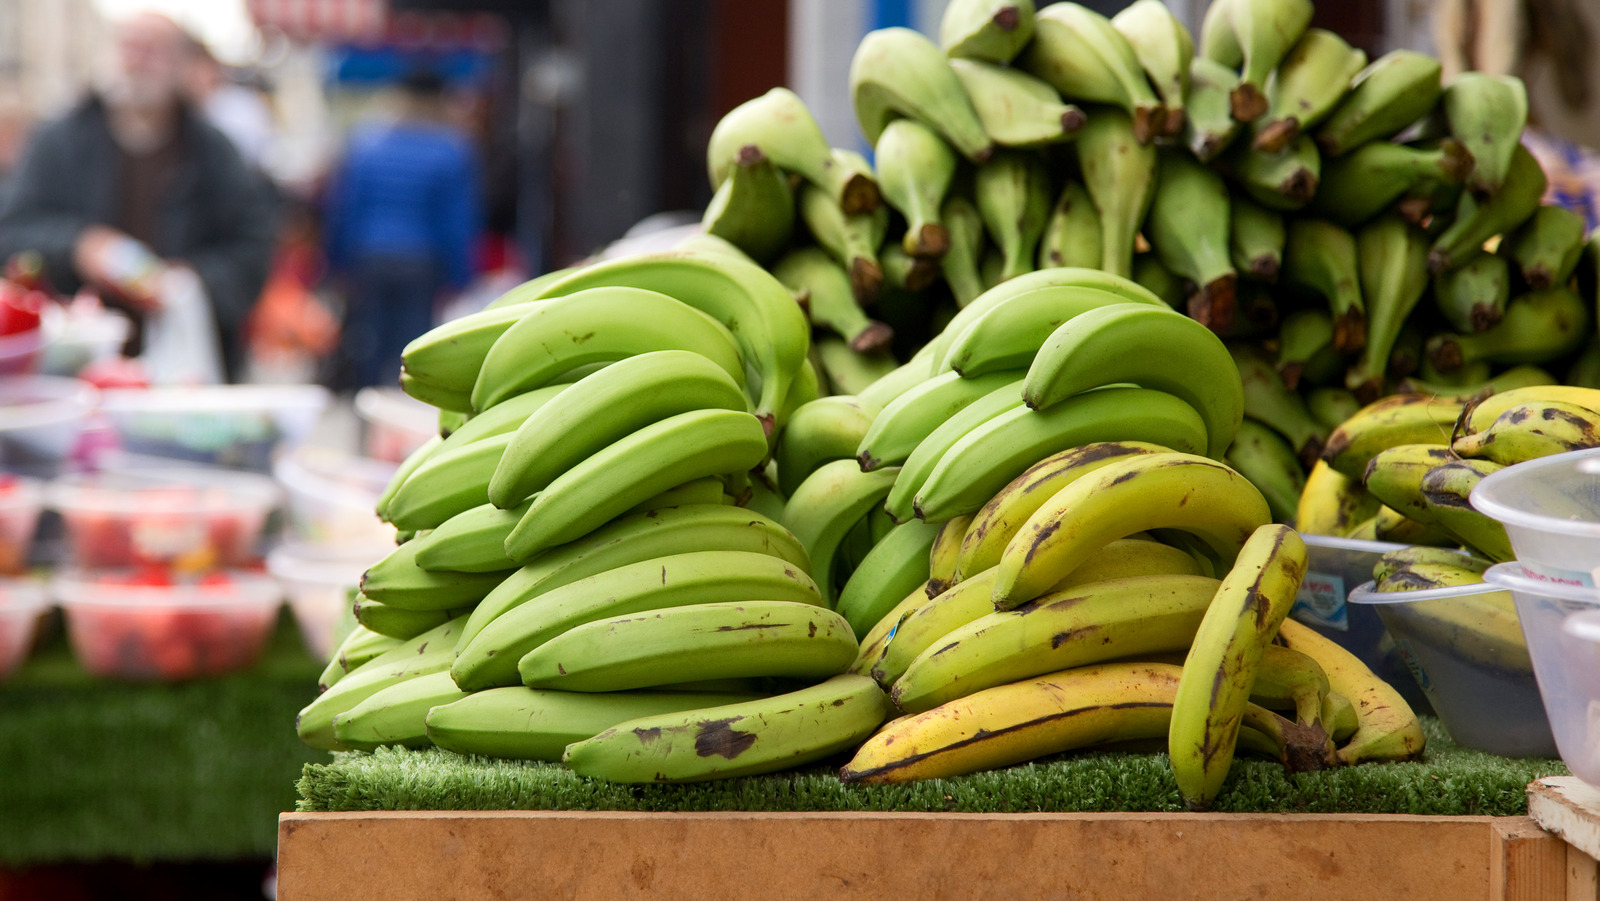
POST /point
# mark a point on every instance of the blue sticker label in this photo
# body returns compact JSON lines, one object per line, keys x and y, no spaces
{"x":1321,"y":602}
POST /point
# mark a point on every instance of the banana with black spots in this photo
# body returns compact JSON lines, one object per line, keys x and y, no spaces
{"x":1532,"y":430}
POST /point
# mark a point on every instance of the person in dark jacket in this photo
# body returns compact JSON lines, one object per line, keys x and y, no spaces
{"x":132,"y":181}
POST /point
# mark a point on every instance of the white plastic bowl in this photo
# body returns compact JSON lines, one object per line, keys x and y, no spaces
{"x":41,"y":418}
{"x":238,"y":426}
{"x":1488,"y":705}
{"x":22,"y":603}
{"x":1551,"y":510}
{"x":189,"y":630}
{"x":317,"y":579}
{"x":396,"y":423}
{"x":333,"y":495}
{"x":1568,"y":681}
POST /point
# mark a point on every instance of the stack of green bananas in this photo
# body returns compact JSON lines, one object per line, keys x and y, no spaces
{"x":1481,"y":629}
{"x":1267,"y":180}
{"x":1116,"y":592}
{"x":1403,"y":468}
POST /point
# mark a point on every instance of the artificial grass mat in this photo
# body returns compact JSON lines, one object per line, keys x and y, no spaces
{"x":198,"y":770}
{"x":1448,"y":780}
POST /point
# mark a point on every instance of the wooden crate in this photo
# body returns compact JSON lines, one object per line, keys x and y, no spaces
{"x":439,"y":855}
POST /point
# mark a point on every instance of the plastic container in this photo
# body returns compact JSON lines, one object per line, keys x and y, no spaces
{"x":135,"y":624}
{"x":1568,"y":679}
{"x":237,"y":426}
{"x":317,"y":579}
{"x":1334,"y":567}
{"x":187,"y":518}
{"x":1580,"y":639}
{"x":87,"y":336}
{"x":1482,"y":686}
{"x":20,"y":501}
{"x":22,"y":603}
{"x":1551,"y":510}
{"x":396,"y":423}
{"x":41,"y":418}
{"x":332,"y":495}
{"x":19,"y":353}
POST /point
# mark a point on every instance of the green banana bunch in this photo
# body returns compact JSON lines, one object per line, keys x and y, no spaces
{"x":1320,"y":256}
{"x":358,"y":646}
{"x":429,"y":652}
{"x":1531,"y":430}
{"x":1164,"y":49}
{"x":1009,"y":335}
{"x":530,"y":724}
{"x":1477,"y":221}
{"x":1082,"y":55}
{"x":1120,"y":174}
{"x":990,"y":30}
{"x":1209,"y":126}
{"x":490,"y":657}
{"x":1013,"y":192}
{"x":740,"y":739}
{"x":1286,"y":180}
{"x":1016,"y":109}
{"x":1187,"y":225}
{"x":767,"y":325}
{"x":823,"y":289}
{"x":395,"y":715}
{"x":1078,"y":626}
{"x":1313,"y":77}
{"x":1143,"y":345}
{"x":915,"y":167}
{"x":1393,"y":258}
{"x":1148,"y":491}
{"x":1396,"y":90}
{"x":781,"y":128}
{"x":1487,"y":113}
{"x":1269,"y":400}
{"x":1253,"y":36}
{"x":896,"y":565}
{"x":1072,"y":233}
{"x":824,"y":507}
{"x":898,"y":72}
{"x":853,"y":240}
{"x":633,"y":469}
{"x":895,"y":433}
{"x":828,"y":428}
{"x":1375,"y":176}
{"x":1547,"y":246}
{"x":1537,"y":327}
{"x":754,"y":208}
{"x":1264,"y":457}
{"x":604,"y":408}
{"x":635,"y":538}
{"x":1220,"y":669}
{"x":1256,"y":237}
{"x":1472,"y":297}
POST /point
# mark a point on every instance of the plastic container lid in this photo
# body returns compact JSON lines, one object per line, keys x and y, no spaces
{"x":293,"y":409}
{"x":1526,"y":495}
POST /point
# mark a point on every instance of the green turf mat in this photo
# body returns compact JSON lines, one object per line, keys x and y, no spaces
{"x":1449,"y":780}
{"x":196,"y":770}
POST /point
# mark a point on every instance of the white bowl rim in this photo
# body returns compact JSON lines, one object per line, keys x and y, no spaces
{"x":1513,"y":576}
{"x":1484,"y":500}
{"x":1368,"y":593}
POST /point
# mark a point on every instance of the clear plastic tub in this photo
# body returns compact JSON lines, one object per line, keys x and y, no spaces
{"x":1551,"y":510}
{"x":1334,"y":567}
{"x":1580,"y":639}
{"x":333,"y":495}
{"x":132,"y":624}
{"x":187,"y":518}
{"x":20,"y":501}
{"x":1471,"y":662}
{"x":396,"y":423}
{"x":237,"y":426}
{"x":1567,"y":680}
{"x":41,"y":418}
{"x":22,"y":603}
{"x":317,"y":579}
{"x":19,"y":353}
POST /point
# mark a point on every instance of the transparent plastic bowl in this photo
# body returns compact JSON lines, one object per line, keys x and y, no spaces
{"x":22,"y":603}
{"x":1567,"y":680}
{"x":41,"y":418}
{"x":1483,"y":689}
{"x":204,"y":627}
{"x":237,"y":426}
{"x":1551,"y":510}
{"x":333,"y":495}
{"x":396,"y":423}
{"x":19,"y":353}
{"x":317,"y":579}
{"x":20,"y":501}
{"x":1335,"y":566}
{"x":1580,"y":638}
{"x":188,"y":518}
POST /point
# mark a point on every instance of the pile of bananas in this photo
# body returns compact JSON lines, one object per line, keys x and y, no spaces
{"x":1328,"y":217}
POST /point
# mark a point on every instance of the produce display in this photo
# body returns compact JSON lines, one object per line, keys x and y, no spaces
{"x":984,"y":450}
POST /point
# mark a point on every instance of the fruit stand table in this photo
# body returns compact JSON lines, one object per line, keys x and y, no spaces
{"x":92,"y":769}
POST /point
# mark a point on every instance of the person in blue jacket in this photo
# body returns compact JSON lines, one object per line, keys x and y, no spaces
{"x":400,"y":220}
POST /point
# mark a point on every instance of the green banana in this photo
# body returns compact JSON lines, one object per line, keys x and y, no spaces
{"x":358,"y":646}
{"x":469,"y":542}
{"x":1209,"y":126}
{"x":849,"y":370}
{"x":1320,"y":256}
{"x":429,"y":652}
{"x":960,"y":263}
{"x":736,"y":739}
{"x":915,"y":167}
{"x":1080,"y":53}
{"x":1013,"y":192}
{"x":853,"y":240}
{"x":754,"y":208}
{"x":1150,"y":274}
{"x":1188,"y":227}
{"x":780,"y":126}
{"x":1477,"y":221}
{"x":1547,"y":246}
{"x":449,"y":482}
{"x":1072,"y":233}
{"x":895,"y":432}
{"x":824,"y":507}
{"x":399,"y":581}
{"x":922,"y":462}
{"x":1261,"y":34}
{"x":1286,"y":180}
{"x":1303,"y":335}
{"x":1164,"y":49}
{"x":1487,"y":113}
{"x":1265,"y":457}
{"x":990,"y":30}
{"x":444,"y":361}
{"x":409,"y":465}
{"x":898,"y":72}
{"x":1393,"y":258}
{"x":1396,"y":90}
{"x":1016,"y":109}
{"x":1120,"y":174}
{"x":1256,"y":237}
{"x":1268,"y":400}
{"x":1538,"y":327}
{"x":828,"y":428}
{"x":1375,"y":176}
{"x":394,"y":715}
{"x":1313,"y":77}
{"x":1332,"y":406}
{"x":896,"y":565}
{"x":400,"y":623}
{"x":1009,"y":335}
{"x":1472,"y":297}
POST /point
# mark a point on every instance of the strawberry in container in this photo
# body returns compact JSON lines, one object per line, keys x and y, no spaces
{"x":23,"y":299}
{"x":189,"y":519}
{"x":148,"y":624}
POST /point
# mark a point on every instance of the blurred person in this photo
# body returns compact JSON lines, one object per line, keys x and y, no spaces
{"x":132,"y":194}
{"x":401,"y":218}
{"x":238,"y":111}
